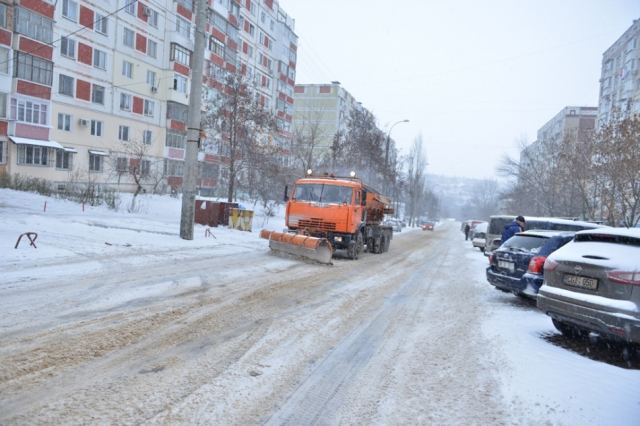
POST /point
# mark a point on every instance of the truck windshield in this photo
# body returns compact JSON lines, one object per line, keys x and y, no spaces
{"x":330,"y":194}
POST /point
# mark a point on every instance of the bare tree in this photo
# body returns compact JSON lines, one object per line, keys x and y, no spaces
{"x":484,"y":200}
{"x":237,"y":115}
{"x":416,"y":181}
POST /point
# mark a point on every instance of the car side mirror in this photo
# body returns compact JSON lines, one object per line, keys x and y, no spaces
{"x":364,"y":197}
{"x":286,"y":193}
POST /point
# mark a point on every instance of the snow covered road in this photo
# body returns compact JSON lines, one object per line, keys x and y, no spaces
{"x":232,"y":334}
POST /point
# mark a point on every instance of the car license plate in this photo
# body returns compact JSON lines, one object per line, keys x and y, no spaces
{"x":582,"y":282}
{"x":506,"y":265}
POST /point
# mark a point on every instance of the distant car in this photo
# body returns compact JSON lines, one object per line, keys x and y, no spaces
{"x":428,"y":226}
{"x":394,"y":224}
{"x":516,"y":266}
{"x":479,"y":237}
{"x":593,"y":285}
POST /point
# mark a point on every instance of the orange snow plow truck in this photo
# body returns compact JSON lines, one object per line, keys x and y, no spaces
{"x":327,"y":213}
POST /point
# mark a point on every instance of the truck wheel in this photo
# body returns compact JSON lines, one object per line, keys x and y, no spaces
{"x":359,"y":245}
{"x":384,"y":243}
{"x":377,"y":245}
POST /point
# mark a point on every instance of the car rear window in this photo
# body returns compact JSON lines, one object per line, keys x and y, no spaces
{"x":526,"y":242}
{"x":608,"y":238}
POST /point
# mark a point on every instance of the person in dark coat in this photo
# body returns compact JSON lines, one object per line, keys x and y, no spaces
{"x":511,"y":228}
{"x":467,"y":228}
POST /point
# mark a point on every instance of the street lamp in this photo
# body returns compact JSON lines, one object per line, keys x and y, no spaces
{"x":386,"y":153}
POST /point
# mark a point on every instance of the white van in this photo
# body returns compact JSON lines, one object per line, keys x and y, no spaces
{"x":498,"y":222}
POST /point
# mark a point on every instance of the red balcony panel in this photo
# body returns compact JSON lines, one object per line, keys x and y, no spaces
{"x":83,"y":90}
{"x":290,"y":100}
{"x":293,"y":47}
{"x":4,"y":127}
{"x":230,"y":67}
{"x":141,"y":43}
{"x":138,"y":104}
{"x":269,"y":4}
{"x":288,"y":117}
{"x":86,"y":17}
{"x":248,"y":5}
{"x":39,"y":6}
{"x":244,"y":69}
{"x":174,"y":180}
{"x":176,"y":153}
{"x":245,"y":48}
{"x":233,"y":19}
{"x":181,"y":69}
{"x":218,"y":34}
{"x":5,"y":37}
{"x":210,"y":158}
{"x":85,"y":54}
{"x":298,"y":89}
{"x":283,"y":78}
{"x":286,"y":152}
{"x":217,"y":60}
{"x":325,"y":89}
{"x":246,"y":26}
{"x":24,"y":130}
{"x":291,"y":82}
{"x":35,"y":48}
{"x":292,"y":65}
{"x":184,"y":12}
{"x":280,"y":114}
{"x":178,"y":125}
{"x":33,"y":89}
{"x":282,"y":96}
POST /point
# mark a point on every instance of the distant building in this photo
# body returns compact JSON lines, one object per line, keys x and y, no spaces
{"x":572,"y":121}
{"x":620,"y":79}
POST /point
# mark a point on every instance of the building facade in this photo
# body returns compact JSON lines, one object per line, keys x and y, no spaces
{"x":98,"y":91}
{"x":620,"y":79}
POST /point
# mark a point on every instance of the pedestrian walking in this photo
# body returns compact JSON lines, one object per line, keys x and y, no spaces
{"x":467,"y":228}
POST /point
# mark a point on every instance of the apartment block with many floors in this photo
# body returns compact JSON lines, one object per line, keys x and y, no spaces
{"x":99,"y":90}
{"x":620,"y":78}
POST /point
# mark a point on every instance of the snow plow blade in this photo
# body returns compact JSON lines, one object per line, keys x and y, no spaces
{"x":318,"y":249}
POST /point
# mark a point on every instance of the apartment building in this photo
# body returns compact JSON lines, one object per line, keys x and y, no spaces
{"x":573,"y":122}
{"x":322,"y":110}
{"x":98,"y":91}
{"x":620,"y":79}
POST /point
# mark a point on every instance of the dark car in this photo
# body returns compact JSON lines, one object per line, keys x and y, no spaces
{"x":593,"y":285}
{"x":427,"y":226}
{"x":516,"y":266}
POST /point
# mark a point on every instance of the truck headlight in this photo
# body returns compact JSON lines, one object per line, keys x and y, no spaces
{"x":339,"y":239}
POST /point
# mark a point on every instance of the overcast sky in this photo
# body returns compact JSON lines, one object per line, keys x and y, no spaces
{"x":471,"y":76}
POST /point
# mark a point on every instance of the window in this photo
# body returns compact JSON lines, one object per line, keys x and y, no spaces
{"x":179,"y":83}
{"x":28,"y":112}
{"x":153,"y":18}
{"x":95,"y":162}
{"x":97,"y":94}
{"x":177,"y":111}
{"x":262,"y":17}
{"x":147,"y":137}
{"x":121,"y":164}
{"x":210,"y":171}
{"x":252,"y":29}
{"x":173,"y":167}
{"x":250,"y":51}
{"x":65,"y":85}
{"x":145,"y":167}
{"x":148,"y":108}
{"x":216,"y":47}
{"x":63,"y":159}
{"x":68,"y":47}
{"x":101,"y":24}
{"x":152,"y":48}
{"x":99,"y":59}
{"x":183,"y":27}
{"x":176,"y":139}
{"x":127,"y":38}
{"x":273,"y":25}
{"x":97,"y":128}
{"x":3,"y":105}
{"x":33,"y":25}
{"x":4,"y":60}
{"x":180,"y":54}
{"x":33,"y":155}
{"x":64,"y":122}
{"x":130,"y":7}
{"x":3,"y":21}
{"x":123,"y":133}
{"x":127,"y":69}
{"x":33,"y":68}
{"x":70,"y":9}
{"x":151,"y":78}
{"x":125,"y":102}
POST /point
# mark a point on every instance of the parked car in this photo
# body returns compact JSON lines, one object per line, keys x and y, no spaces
{"x":479,"y":237}
{"x":516,"y":266}
{"x":593,"y":285}
{"x":471,"y":223}
{"x":394,"y":224}
{"x":428,"y":226}
{"x":498,"y":222}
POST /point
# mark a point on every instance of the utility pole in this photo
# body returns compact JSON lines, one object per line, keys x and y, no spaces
{"x":193,"y":126}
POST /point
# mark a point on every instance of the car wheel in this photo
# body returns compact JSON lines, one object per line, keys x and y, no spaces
{"x":568,"y":330}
